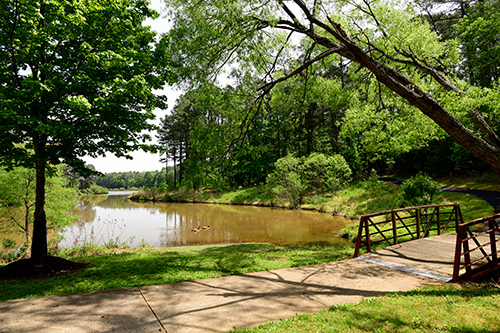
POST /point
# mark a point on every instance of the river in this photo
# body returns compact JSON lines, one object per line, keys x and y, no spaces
{"x":114,"y":218}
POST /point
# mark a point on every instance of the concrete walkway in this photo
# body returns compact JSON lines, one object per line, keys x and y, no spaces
{"x":218,"y":305}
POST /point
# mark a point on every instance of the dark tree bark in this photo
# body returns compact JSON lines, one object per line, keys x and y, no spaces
{"x":39,"y":241}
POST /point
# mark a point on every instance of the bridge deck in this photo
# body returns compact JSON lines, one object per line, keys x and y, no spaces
{"x":432,"y":257}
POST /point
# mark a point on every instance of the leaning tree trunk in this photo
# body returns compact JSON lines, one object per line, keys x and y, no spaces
{"x":486,"y":149}
{"x":39,"y":240}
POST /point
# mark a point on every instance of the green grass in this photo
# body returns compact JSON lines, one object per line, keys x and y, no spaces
{"x":488,"y":181}
{"x":471,"y":206}
{"x":357,"y":199}
{"x":379,"y":197}
{"x":121,"y":268}
{"x":445,"y":308}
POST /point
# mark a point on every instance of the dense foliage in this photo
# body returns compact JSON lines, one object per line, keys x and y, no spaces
{"x":292,"y":177}
{"x":132,"y":180}
{"x":17,"y":201}
{"x":77,"y":79}
{"x":420,"y":190}
{"x":295,"y":90}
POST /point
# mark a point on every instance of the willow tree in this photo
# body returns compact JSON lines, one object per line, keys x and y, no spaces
{"x":77,"y":79}
{"x":382,"y":39}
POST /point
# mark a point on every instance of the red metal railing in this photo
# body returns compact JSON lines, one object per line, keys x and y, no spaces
{"x":406,"y":223}
{"x":476,"y":250}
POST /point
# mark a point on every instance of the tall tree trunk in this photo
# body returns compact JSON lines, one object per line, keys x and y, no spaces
{"x":27,"y":207}
{"x":39,"y":243}
{"x":175,"y":173}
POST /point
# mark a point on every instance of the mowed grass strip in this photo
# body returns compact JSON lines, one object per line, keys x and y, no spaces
{"x":445,"y":308}
{"x":130,"y":267}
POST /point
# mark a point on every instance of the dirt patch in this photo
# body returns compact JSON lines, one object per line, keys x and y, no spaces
{"x":47,"y":268}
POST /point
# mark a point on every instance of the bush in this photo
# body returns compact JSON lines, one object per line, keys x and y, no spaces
{"x":420,"y":190}
{"x":293,"y":177}
{"x":96,"y":189}
{"x":162,"y":188}
{"x":292,"y":188}
{"x":326,"y":173}
{"x":286,"y":180}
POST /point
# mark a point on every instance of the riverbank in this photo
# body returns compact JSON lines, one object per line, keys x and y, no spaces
{"x":422,"y":309}
{"x":357,"y":199}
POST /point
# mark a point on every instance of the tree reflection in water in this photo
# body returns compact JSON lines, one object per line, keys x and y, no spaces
{"x":170,"y":224}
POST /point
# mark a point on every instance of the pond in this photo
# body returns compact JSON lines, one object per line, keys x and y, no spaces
{"x":115,"y":218}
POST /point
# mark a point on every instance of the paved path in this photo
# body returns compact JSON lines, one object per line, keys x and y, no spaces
{"x":217,"y":305}
{"x":491,"y":197}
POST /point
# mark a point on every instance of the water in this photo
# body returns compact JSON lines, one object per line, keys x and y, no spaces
{"x":115,"y":218}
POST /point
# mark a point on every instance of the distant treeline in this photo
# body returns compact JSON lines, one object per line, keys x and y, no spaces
{"x":132,"y":179}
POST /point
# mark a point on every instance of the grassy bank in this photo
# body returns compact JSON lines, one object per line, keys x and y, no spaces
{"x":357,"y":199}
{"x":446,"y":308}
{"x":488,"y":181}
{"x":120,"y":267}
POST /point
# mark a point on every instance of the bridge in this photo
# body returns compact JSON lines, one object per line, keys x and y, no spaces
{"x":441,"y":245}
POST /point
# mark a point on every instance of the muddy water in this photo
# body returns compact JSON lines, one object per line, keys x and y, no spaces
{"x":114,"y":217}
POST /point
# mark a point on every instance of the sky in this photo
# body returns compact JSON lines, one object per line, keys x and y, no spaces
{"x":141,"y":161}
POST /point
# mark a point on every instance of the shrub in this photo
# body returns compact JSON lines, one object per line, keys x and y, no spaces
{"x":162,"y":188}
{"x":420,"y":190}
{"x":326,"y":173}
{"x":96,"y":189}
{"x":292,"y":188}
{"x":292,"y":176}
{"x":286,"y":180}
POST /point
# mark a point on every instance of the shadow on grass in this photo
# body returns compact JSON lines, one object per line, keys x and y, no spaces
{"x":251,"y":195}
{"x":155,"y":266}
{"x":113,"y":271}
{"x":445,"y":308}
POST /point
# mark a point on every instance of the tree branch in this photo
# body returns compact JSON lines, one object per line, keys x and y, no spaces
{"x":267,"y":87}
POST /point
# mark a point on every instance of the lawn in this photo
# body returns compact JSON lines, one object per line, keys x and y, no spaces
{"x":445,"y":308}
{"x":112,"y":268}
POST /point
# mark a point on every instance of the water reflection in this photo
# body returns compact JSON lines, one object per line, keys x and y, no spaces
{"x":171,"y":224}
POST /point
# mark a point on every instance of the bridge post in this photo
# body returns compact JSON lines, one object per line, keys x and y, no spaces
{"x":438,"y":220}
{"x":367,"y":235}
{"x":417,"y":218}
{"x":394,"y":229}
{"x":494,"y":257}
{"x":458,"y":253}
{"x":360,"y":235}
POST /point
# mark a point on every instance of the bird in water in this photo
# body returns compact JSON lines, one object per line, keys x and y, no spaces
{"x":196,"y":230}
{"x":205,"y":227}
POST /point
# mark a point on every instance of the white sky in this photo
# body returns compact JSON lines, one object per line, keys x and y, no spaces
{"x":141,"y":161}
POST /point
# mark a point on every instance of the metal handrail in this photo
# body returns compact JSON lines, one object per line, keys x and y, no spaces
{"x":417,"y":222}
{"x":484,"y":233}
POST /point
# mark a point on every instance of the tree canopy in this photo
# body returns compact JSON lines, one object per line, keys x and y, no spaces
{"x":387,"y":44}
{"x":77,"y":79}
